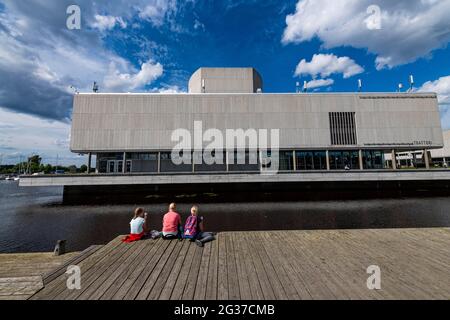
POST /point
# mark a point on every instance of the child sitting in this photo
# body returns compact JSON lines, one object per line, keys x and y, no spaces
{"x":194,"y":229}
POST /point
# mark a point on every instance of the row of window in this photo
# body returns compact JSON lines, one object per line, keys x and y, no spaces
{"x":240,"y":161}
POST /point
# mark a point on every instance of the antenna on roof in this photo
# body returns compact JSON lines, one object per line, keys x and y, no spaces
{"x":359,"y":85}
{"x":400,"y":87}
{"x":411,"y":83}
{"x":74,"y":89}
{"x":95,"y":87}
{"x":297,"y":87}
{"x":305,"y":86}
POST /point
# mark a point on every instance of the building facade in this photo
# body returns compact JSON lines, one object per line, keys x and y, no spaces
{"x":132,"y":133}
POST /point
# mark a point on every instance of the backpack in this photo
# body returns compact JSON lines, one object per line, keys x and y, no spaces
{"x":190,"y":227}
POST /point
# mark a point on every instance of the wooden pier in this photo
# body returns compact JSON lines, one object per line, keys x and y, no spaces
{"x":21,"y":274}
{"x":284,"y":265}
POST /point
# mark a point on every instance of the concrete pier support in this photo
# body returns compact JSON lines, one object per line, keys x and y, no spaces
{"x":361,"y":164}
{"x":294,"y":160}
{"x":89,"y":163}
{"x":328,"y":159}
{"x":426,"y":158}
{"x":394,"y":160}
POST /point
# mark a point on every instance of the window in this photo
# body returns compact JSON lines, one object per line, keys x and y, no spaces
{"x":311,"y":160}
{"x":142,"y":162}
{"x":286,"y":160}
{"x":167,"y":165}
{"x":243,"y":161}
{"x":339,"y":160}
{"x":343,"y":128}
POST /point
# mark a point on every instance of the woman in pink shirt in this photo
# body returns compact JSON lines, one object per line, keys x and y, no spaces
{"x":172,"y":223}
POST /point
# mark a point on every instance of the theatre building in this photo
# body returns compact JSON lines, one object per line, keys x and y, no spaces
{"x":322,"y":136}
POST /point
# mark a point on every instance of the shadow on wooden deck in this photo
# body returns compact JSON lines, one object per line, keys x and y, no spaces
{"x":280,"y":265}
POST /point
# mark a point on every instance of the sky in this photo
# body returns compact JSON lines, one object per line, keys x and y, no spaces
{"x":155,"y":45}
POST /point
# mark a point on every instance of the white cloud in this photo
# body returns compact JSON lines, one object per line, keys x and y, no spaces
{"x":103,"y":23}
{"x":156,"y":11}
{"x":328,"y":64}
{"x":410,"y":29}
{"x":313,"y":84}
{"x":120,"y":82}
{"x":440,"y":86}
{"x":23,"y":135}
{"x":40,"y":59}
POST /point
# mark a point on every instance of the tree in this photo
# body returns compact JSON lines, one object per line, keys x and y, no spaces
{"x":72,"y":169}
{"x":83,"y":168}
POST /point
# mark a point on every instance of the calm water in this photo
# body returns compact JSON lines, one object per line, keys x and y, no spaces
{"x":32,"y":219}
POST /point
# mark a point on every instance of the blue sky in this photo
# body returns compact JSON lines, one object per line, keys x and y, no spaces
{"x":154,"y":46}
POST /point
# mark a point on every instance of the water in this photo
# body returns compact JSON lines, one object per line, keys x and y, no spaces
{"x":32,"y":219}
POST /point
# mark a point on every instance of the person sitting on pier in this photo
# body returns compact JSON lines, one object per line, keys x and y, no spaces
{"x":138,"y":226}
{"x":172,"y":223}
{"x":194,"y":229}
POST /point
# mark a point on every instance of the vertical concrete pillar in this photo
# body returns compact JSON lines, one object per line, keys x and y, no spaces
{"x":227,"y":155}
{"x":427,"y":159}
{"x":327,"y":155}
{"x":89,"y":163}
{"x":361,"y":164}
{"x":159,"y":162}
{"x":394,"y":160}
{"x":124,"y":165}
{"x":294,"y":160}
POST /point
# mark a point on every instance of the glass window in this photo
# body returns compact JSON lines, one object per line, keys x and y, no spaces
{"x":311,"y":160}
{"x":286,"y":162}
{"x":320,"y":160}
{"x":219,"y":160}
{"x":243,"y":161}
{"x":342,"y":160}
{"x":167,"y":165}
{"x":373,"y":159}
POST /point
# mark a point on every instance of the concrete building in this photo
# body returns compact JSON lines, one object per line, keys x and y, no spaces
{"x":321,"y":136}
{"x":441,"y":157}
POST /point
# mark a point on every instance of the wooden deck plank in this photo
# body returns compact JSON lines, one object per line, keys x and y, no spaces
{"x":89,"y":278}
{"x":299,"y":262}
{"x":242,"y":272}
{"x":165,"y":260}
{"x":314,"y":252}
{"x":212,"y":283}
{"x":319,"y":264}
{"x":55,"y":273}
{"x":133,"y":284}
{"x":179,"y":272}
{"x":133,"y":270}
{"x":166,"y":269}
{"x":184,"y":273}
{"x":272,"y":274}
{"x":222,"y":282}
{"x":200,"y":287}
{"x":263,"y":279}
{"x":54,"y":288}
{"x":114,"y":272}
{"x":194,"y":273}
{"x":286,"y":259}
{"x":233,"y":283}
{"x":282,"y":269}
